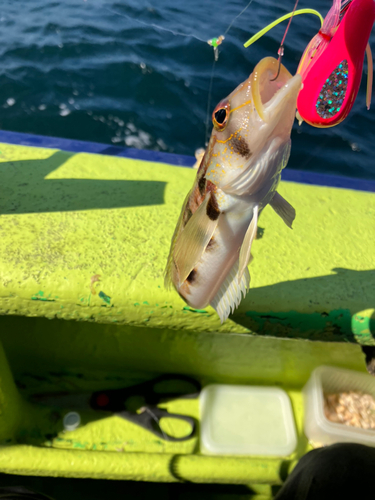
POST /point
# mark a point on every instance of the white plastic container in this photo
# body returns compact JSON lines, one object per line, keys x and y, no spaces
{"x":318,"y":428}
{"x":245,"y":420}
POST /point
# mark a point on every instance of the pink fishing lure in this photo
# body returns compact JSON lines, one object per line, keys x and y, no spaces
{"x":331,"y":66}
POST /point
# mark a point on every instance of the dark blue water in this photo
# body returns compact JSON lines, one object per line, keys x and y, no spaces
{"x":99,"y":70}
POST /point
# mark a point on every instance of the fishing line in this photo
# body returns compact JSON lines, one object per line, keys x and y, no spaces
{"x":289,"y":16}
{"x":215,"y":42}
{"x":156,"y":26}
{"x":281,"y":48}
{"x":239,"y":15}
{"x":209,"y":104}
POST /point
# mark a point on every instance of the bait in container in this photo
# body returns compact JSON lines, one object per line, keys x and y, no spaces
{"x":338,"y":404}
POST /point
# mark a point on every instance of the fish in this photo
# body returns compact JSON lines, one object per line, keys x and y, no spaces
{"x":332,"y":63}
{"x":238,"y":176}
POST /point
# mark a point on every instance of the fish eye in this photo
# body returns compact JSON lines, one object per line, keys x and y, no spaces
{"x":220,"y":116}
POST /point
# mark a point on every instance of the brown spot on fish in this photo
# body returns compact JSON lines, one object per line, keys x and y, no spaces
{"x":212,"y":209}
{"x":210,"y":187}
{"x":192,"y":276}
{"x":241,"y":147}
{"x":202,"y":185}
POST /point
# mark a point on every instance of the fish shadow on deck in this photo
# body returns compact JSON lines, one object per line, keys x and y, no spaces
{"x":340,"y":299}
{"x":25,"y":189}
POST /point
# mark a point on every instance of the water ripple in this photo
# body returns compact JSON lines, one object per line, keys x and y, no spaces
{"x":122,"y":74}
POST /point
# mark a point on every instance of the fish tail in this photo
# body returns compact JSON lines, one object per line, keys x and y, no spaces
{"x":230,"y":293}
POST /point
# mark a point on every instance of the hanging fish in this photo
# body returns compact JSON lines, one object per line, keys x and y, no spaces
{"x":331,"y":66}
{"x":237,"y":178}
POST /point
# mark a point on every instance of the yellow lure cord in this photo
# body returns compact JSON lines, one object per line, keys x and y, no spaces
{"x":280,"y":20}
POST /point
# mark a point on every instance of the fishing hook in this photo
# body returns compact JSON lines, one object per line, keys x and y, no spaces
{"x":281,"y":48}
{"x":280,"y":53}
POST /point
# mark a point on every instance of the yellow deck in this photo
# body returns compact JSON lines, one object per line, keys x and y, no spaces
{"x":66,"y":218}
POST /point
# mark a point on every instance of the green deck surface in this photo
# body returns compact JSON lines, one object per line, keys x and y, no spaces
{"x":68,"y":217}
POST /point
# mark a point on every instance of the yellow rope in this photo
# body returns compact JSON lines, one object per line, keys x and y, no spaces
{"x":280,"y":20}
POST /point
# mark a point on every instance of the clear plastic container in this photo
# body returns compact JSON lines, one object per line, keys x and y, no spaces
{"x":326,"y":379}
{"x":245,"y":420}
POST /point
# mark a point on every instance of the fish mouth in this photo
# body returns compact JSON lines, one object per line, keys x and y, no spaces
{"x":273,"y":88}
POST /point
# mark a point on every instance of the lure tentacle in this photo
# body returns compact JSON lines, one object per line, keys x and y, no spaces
{"x":332,"y":19}
{"x":369,"y":75}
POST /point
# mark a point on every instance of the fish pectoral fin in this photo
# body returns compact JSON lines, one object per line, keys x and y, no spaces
{"x":193,"y":240}
{"x":245,"y":251}
{"x":283,"y":209}
{"x":230,"y":293}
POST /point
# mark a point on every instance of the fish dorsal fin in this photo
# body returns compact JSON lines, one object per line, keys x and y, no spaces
{"x":246,"y":244}
{"x":283,"y":209}
{"x":230,"y":293}
{"x":193,"y":240}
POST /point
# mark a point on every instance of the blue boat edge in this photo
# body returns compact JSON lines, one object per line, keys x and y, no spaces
{"x":76,"y":146}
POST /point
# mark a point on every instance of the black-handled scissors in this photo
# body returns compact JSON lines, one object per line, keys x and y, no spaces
{"x":137,"y":403}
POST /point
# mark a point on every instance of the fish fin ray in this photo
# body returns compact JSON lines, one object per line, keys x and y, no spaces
{"x":168,"y":268}
{"x":245,"y":251}
{"x":193,"y":240}
{"x":283,"y":209}
{"x":230,"y":294}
